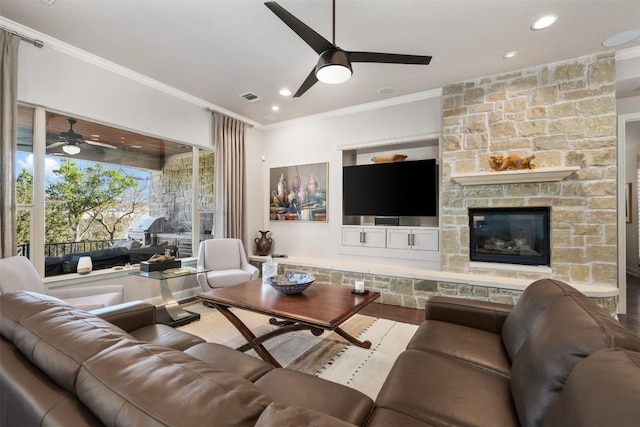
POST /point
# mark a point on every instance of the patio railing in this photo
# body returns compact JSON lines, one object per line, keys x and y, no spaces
{"x":60,"y":249}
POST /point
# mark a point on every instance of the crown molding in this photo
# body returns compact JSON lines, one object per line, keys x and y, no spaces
{"x":74,"y":52}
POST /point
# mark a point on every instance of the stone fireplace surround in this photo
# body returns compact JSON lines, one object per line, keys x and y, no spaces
{"x":564,"y":114}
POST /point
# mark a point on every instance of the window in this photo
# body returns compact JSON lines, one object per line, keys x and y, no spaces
{"x":98,"y":180}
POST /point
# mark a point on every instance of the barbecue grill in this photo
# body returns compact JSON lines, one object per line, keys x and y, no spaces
{"x":143,"y":228}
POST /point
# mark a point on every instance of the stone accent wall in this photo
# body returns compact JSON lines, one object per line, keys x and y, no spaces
{"x":565,"y":115}
{"x":171,"y":192}
{"x":414,"y":293}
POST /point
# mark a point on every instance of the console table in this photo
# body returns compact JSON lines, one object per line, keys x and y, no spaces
{"x":171,"y":314}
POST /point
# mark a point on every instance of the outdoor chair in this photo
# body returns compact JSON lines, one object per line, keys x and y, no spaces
{"x":18,"y":274}
{"x":228,"y":262}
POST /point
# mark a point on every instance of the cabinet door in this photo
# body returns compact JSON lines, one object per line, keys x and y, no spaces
{"x":398,"y":238}
{"x":374,"y":237}
{"x":352,"y":236}
{"x":425,"y":240}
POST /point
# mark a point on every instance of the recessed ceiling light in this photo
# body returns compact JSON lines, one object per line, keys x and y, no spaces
{"x":510,"y":54}
{"x":544,"y":22}
{"x":275,"y":108}
{"x":385,"y":90}
{"x":285,"y":92}
{"x":621,"y":38}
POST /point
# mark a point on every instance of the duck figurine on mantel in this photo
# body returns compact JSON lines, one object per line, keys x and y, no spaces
{"x":263,"y":244}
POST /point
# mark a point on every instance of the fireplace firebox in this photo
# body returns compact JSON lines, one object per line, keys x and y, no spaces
{"x":510,"y":235}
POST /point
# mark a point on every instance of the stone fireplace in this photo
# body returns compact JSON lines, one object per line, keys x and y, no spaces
{"x":510,"y":235}
{"x":564,"y":114}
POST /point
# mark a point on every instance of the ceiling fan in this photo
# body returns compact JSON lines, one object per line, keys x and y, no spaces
{"x":334,"y":64}
{"x":72,"y":141}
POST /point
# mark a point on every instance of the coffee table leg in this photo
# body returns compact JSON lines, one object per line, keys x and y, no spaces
{"x":352,"y":339}
{"x":247,"y":334}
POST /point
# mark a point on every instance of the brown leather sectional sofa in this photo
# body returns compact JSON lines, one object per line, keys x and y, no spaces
{"x":555,"y":359}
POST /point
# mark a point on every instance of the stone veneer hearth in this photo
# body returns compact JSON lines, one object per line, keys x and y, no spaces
{"x":565,"y":115}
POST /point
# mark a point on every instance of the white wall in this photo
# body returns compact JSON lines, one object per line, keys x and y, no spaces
{"x":60,"y":82}
{"x":320,"y":141}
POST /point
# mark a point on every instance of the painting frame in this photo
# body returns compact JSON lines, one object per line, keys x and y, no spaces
{"x":299,"y":192}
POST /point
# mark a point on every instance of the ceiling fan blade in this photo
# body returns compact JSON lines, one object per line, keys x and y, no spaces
{"x":100,"y":144}
{"x":388,"y":58}
{"x":308,"y":82}
{"x":56,"y":144}
{"x":313,"y":39}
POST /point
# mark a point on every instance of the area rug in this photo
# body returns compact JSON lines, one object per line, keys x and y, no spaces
{"x":327,"y":356}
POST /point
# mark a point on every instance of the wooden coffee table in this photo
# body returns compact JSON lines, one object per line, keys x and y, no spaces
{"x":320,"y":307}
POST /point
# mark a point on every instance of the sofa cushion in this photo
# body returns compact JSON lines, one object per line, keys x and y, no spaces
{"x":476,"y":347}
{"x":291,"y":416}
{"x":442,"y":391}
{"x":294,"y":388}
{"x":167,"y":336}
{"x":59,"y":338}
{"x":18,"y":305}
{"x":30,"y":398}
{"x":134,"y":384}
{"x":230,"y":360}
{"x":572,"y":328}
{"x":383,"y":417}
{"x":534,"y":300}
{"x":602,"y":390}
{"x":221,"y":278}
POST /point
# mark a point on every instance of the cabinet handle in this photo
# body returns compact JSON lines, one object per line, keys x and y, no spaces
{"x":408,"y":239}
{"x":413,"y":239}
{"x":364,"y":237}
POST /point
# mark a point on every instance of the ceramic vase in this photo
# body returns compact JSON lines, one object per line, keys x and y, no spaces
{"x":263,"y":244}
{"x":84,"y":265}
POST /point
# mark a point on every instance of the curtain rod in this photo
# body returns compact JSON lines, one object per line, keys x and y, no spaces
{"x":35,"y":42}
{"x":219,"y":112}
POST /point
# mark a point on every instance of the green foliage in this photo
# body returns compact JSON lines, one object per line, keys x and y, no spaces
{"x":82,"y":198}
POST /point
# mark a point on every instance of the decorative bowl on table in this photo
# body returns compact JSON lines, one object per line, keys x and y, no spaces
{"x":291,"y":284}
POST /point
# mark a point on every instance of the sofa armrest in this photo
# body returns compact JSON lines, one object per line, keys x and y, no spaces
{"x":128,"y":316}
{"x":484,"y":315}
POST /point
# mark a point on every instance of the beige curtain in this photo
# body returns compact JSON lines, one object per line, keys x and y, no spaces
{"x":8,"y":145}
{"x":230,"y":215}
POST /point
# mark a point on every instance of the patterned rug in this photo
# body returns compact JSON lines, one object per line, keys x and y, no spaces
{"x":327,"y":356}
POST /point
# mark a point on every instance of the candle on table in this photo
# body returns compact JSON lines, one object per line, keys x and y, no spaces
{"x":359,"y":285}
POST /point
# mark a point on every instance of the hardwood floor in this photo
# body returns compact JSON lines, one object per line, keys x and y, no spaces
{"x":393,"y":312}
{"x":631,"y":320}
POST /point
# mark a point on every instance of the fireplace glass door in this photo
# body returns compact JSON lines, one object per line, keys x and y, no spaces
{"x":510,"y":235}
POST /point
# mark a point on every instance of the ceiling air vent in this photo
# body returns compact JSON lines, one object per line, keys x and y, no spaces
{"x":251,"y":97}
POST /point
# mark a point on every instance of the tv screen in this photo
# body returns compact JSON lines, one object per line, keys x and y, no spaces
{"x":391,"y":189}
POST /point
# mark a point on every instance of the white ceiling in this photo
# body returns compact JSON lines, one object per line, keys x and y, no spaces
{"x":218,"y":49}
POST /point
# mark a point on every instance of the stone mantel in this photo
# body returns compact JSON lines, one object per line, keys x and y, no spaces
{"x":515,"y":177}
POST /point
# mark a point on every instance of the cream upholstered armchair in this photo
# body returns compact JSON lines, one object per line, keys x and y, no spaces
{"x":18,"y":274}
{"x":227,"y":261}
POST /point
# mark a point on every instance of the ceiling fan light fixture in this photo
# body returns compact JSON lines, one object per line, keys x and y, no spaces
{"x":71,"y":150}
{"x":333,"y":67}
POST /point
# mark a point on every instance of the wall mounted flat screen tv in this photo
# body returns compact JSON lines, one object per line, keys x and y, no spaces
{"x":391,"y":189}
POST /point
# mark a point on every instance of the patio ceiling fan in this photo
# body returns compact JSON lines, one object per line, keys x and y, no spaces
{"x":72,"y":142}
{"x":334,"y":64}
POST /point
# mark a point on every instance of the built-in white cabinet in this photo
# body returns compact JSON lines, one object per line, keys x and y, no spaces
{"x":405,"y":238}
{"x":417,"y":239}
{"x":370,"y":237}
